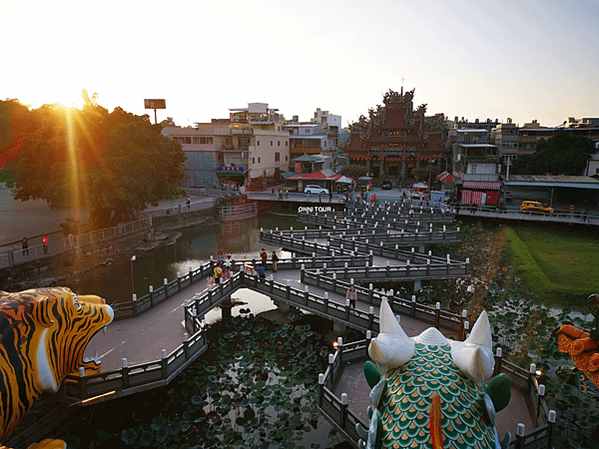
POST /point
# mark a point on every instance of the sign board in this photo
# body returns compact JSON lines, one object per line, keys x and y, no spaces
{"x":155,"y":104}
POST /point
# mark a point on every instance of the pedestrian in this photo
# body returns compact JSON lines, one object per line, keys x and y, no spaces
{"x":352,"y":295}
{"x":25,"y":245}
{"x":263,"y":257}
{"x":260,"y":271}
{"x":286,"y":193}
{"x":188,"y":202}
{"x":275,"y":259}
{"x":220,"y":257}
{"x":210,"y":282}
{"x":228,"y":262}
{"x":46,"y":243}
{"x":585,"y":217}
{"x":227,"y":273}
{"x":218,"y":274}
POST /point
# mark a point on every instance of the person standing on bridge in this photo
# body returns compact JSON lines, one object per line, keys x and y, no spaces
{"x":352,"y":295}
{"x":218,"y":273}
{"x":263,"y":257}
{"x":46,"y":243}
{"x":275,"y":259}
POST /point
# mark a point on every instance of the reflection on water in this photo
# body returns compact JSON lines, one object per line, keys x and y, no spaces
{"x":196,"y":245}
{"x":257,"y":302}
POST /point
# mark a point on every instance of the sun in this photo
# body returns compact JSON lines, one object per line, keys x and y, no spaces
{"x":67,"y":96}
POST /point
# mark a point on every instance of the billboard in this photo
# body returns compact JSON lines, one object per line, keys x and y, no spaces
{"x":155,"y":104}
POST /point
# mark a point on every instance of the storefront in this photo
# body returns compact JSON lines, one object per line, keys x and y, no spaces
{"x":479,"y":192}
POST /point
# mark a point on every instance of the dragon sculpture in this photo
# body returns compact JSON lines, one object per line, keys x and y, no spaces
{"x":431,"y":392}
{"x":44,"y":333}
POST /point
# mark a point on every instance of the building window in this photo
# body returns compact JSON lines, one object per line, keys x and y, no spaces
{"x":257,"y":143}
{"x":196,"y":140}
{"x":286,"y":158}
{"x":253,"y":160}
{"x":278,"y":143}
{"x":258,"y":160}
{"x":271,"y":143}
{"x":277,"y":156}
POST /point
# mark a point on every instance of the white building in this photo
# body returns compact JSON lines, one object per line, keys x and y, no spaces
{"x":251,"y":144}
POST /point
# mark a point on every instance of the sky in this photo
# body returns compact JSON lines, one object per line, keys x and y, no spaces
{"x":474,"y":59}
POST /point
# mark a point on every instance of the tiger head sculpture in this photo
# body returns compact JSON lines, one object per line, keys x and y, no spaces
{"x":44,"y":333}
{"x":432,"y":392}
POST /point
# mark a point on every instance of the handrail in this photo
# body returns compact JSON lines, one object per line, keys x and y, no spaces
{"x":16,"y":255}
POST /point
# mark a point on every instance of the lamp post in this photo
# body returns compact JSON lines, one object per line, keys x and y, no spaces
{"x":132,"y":279}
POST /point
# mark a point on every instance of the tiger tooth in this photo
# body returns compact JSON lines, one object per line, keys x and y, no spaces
{"x":96,"y":357}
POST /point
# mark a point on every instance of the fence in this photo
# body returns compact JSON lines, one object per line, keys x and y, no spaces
{"x":238,"y":212}
{"x":13,"y":254}
{"x":337,"y":412}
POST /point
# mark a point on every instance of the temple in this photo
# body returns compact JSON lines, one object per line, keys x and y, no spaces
{"x":396,"y":138}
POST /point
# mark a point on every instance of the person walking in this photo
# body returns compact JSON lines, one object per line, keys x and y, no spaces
{"x":25,"y":245}
{"x":263,"y":257}
{"x":352,"y":295}
{"x":46,"y":243}
{"x":218,"y":274}
{"x":275,"y":259}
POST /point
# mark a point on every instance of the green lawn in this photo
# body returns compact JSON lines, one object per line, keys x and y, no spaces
{"x":557,"y":266}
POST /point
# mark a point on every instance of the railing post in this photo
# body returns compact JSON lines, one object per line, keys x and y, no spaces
{"x":498,"y":360}
{"x":370,"y":293}
{"x":125,"y":372}
{"x":540,"y":397}
{"x":325,"y":299}
{"x":413,"y":306}
{"x":343,"y":417}
{"x":82,"y":383}
{"x":165,"y":281}
{"x":552,"y":418}
{"x":467,"y":265}
{"x":334,"y":282}
{"x":288,"y":290}
{"x":151,"y":293}
{"x":347,"y":308}
{"x":306,"y":294}
{"x":370,"y":317}
{"x":437,"y":314}
{"x":186,"y":345}
{"x":320,"y":388}
{"x":302,"y":273}
{"x":178,"y":281}
{"x":134,"y":299}
{"x":164,"y":363}
{"x":190,"y":275}
{"x":520,"y":436}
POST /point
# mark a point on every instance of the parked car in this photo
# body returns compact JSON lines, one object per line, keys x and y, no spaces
{"x":386,"y":185}
{"x":315,"y":189}
{"x":535,"y":206}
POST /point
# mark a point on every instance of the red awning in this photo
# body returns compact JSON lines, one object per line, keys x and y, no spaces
{"x":446,"y":177}
{"x":482,"y":185}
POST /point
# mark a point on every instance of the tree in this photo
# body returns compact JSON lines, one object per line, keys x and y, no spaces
{"x":354,"y":171}
{"x":110,"y":164}
{"x":562,"y":154}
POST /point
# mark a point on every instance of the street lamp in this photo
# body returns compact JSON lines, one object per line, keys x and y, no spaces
{"x":132,"y":283}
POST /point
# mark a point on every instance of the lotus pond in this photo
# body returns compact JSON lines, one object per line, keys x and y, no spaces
{"x":256,"y":387}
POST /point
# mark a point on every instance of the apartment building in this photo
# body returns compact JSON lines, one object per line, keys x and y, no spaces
{"x":250,"y":144}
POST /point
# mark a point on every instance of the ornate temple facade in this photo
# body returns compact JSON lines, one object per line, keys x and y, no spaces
{"x":396,"y":138}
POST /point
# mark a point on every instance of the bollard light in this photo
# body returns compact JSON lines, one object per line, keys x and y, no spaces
{"x":499,"y":352}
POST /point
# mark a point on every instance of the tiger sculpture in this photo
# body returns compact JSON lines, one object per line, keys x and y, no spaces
{"x":431,"y":392}
{"x":44,"y":333}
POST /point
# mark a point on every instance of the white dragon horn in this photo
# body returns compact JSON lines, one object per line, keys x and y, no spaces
{"x":392,"y":347}
{"x":474,"y":356}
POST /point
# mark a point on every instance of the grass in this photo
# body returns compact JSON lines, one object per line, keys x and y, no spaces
{"x":560,"y":268}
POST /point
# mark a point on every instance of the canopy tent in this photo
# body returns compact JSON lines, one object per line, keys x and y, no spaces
{"x":446,"y":177}
{"x":345,"y":180}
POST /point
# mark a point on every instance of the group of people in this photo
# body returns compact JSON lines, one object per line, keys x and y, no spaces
{"x":261,"y":269}
{"x":25,"y":245}
{"x":222,"y":269}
